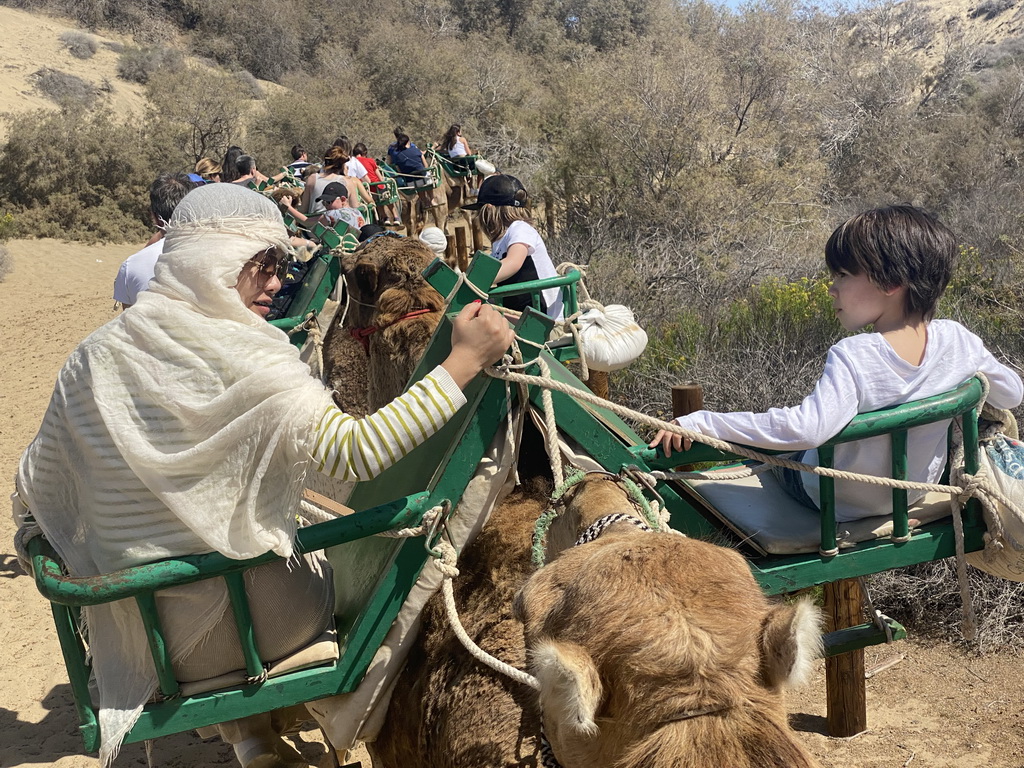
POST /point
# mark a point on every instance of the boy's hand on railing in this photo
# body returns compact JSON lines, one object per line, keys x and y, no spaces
{"x":670,"y":441}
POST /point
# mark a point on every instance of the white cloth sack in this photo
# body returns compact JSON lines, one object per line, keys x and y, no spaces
{"x":1003,"y":555}
{"x":611,"y":338}
{"x":435,"y":239}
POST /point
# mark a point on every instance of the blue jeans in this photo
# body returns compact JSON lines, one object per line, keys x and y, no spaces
{"x":792,"y":482}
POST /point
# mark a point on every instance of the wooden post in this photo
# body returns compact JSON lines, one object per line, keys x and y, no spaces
{"x":847,"y":713}
{"x":461,"y":248}
{"x":598,"y":383}
{"x":687,"y":398}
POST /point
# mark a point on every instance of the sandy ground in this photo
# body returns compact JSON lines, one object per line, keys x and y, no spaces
{"x":937,"y":707}
{"x":32,"y":40}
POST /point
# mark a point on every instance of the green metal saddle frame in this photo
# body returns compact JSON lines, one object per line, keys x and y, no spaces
{"x":432,"y":175}
{"x":452,"y":166}
{"x":435,"y":473}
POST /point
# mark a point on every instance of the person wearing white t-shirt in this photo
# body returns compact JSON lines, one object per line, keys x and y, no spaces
{"x":503,"y":211}
{"x":137,"y":270}
{"x":890,"y":266}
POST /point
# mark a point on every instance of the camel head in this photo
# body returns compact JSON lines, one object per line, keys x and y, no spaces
{"x":386,"y":280}
{"x":653,"y":649}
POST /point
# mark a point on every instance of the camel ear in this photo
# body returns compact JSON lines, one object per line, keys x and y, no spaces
{"x":570,"y":687}
{"x":790,"y":642}
{"x":365,"y":274}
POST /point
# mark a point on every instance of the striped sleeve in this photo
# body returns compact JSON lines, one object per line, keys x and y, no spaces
{"x":359,"y":449}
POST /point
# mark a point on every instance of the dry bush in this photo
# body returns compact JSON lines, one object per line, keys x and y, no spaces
{"x":68,"y":91}
{"x":6,"y":263}
{"x":989,"y":9}
{"x":81,"y":45}
{"x":195,"y":113}
{"x":7,"y":228}
{"x":926,"y":597}
{"x":249,"y":84}
{"x":140,"y":65}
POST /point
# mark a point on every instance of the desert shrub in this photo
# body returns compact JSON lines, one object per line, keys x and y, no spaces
{"x":284,"y":119}
{"x":249,"y":84}
{"x":195,"y":112}
{"x":81,"y":45}
{"x":6,"y":231}
{"x":8,"y":227}
{"x":141,"y":64}
{"x":113,"y":45}
{"x":68,"y":91}
{"x":78,"y":175}
{"x":988,"y":9}
{"x":926,"y":598}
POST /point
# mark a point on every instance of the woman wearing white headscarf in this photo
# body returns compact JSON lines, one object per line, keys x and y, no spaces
{"x":186,"y":425}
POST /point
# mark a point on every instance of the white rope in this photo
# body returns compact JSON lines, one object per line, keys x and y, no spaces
{"x":317,"y":514}
{"x":429,"y":518}
{"x":446,"y":565}
{"x":505,"y":373}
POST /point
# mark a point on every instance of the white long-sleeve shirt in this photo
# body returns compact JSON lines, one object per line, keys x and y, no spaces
{"x":863,"y":373}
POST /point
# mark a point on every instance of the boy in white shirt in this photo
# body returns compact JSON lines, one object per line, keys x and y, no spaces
{"x":890,"y":266}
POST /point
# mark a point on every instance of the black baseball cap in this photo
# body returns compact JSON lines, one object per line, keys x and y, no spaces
{"x":501,"y":189}
{"x":333,"y":191}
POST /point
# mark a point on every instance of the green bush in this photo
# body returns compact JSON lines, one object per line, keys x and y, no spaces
{"x":77,"y":175}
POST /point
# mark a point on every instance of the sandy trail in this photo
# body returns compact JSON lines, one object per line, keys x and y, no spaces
{"x":938,"y":707}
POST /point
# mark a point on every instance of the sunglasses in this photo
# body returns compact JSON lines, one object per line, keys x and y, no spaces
{"x":271,"y":263}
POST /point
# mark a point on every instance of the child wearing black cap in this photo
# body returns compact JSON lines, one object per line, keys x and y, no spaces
{"x":502,"y":206}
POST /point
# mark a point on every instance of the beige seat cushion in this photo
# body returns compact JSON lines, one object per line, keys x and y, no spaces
{"x":758,"y":508}
{"x":323,"y":650}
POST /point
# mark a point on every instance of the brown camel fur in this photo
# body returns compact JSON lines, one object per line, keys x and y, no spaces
{"x":625,"y":634}
{"x":384,"y":280}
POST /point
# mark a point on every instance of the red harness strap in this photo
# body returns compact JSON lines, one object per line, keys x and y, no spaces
{"x":363,"y":334}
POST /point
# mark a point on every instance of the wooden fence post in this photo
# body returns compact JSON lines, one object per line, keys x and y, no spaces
{"x":687,"y":398}
{"x":598,"y":383}
{"x":847,"y":713}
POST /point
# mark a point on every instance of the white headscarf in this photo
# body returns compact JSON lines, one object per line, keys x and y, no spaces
{"x":185,"y":423}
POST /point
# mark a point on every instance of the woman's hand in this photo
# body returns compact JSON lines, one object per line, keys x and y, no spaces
{"x":480,"y":336}
{"x":670,"y":441}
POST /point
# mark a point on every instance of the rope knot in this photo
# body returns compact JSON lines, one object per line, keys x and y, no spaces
{"x":973,"y":485}
{"x":446,"y":562}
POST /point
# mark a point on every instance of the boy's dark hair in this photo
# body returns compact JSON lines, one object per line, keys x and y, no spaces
{"x":245,"y":164}
{"x":166,"y":192}
{"x":897,"y":246}
{"x":298,"y":151}
{"x":359,"y":149}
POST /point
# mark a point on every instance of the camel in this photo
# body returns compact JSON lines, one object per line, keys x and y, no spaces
{"x":370,"y":353}
{"x":416,"y":203}
{"x":652,"y":649}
